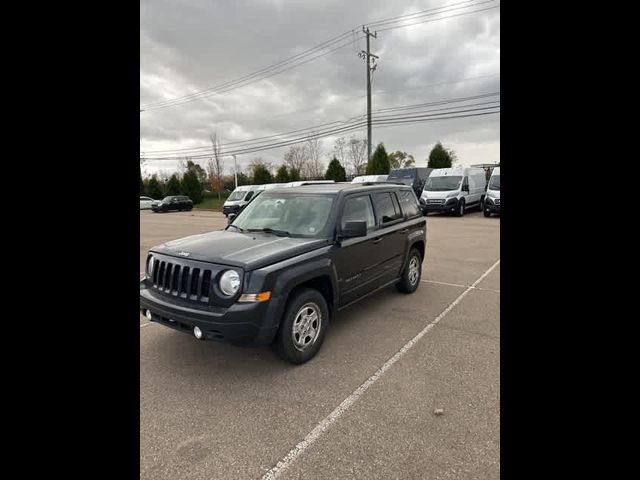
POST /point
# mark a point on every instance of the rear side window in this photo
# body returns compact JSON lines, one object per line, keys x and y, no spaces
{"x":358,"y":209}
{"x":409,"y":203}
{"x":387,"y":208}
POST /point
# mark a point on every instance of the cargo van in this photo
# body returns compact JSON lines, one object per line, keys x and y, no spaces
{"x":238,"y":199}
{"x":414,"y":177}
{"x":492,"y":199}
{"x":454,"y":190}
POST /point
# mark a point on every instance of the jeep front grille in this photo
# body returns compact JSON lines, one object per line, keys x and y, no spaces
{"x":181,"y":280}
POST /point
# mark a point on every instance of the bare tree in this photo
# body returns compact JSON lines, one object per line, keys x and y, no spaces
{"x":340,"y":150}
{"x":297,"y":158}
{"x":314,"y":150}
{"x":357,"y":155}
{"x":215,"y":166}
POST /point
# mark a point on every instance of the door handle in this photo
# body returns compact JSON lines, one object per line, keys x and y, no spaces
{"x":404,"y":230}
{"x":377,"y":240}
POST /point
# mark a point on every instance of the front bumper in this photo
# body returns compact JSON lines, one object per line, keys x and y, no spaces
{"x":230,"y":209}
{"x":241,"y":323}
{"x":450,"y":205}
{"x":491,"y":206}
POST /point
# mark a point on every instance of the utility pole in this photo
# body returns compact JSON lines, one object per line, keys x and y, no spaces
{"x":235,"y":170}
{"x":370,"y":60}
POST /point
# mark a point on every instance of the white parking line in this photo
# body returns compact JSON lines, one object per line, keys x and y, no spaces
{"x":145,"y":324}
{"x":461,"y":286}
{"x":321,"y":428}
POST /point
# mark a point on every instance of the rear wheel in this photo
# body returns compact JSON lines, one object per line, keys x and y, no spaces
{"x":303,"y":326}
{"x":412,"y":273}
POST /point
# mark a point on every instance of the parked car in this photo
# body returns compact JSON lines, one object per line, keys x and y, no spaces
{"x":369,"y":178}
{"x":414,"y":177}
{"x":174,"y":202}
{"x":238,"y":199}
{"x":286,"y":264}
{"x":454,"y":190}
{"x":492,"y":199}
{"x":146,"y":202}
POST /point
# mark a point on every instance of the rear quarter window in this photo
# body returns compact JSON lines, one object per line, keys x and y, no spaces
{"x":408,"y":203}
{"x":386,"y":207}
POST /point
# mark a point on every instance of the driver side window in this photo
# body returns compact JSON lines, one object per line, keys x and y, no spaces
{"x":358,"y":209}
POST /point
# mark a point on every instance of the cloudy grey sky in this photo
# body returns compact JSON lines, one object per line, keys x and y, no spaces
{"x":190,"y":45}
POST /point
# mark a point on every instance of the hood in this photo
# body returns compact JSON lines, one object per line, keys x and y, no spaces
{"x":429,"y":194}
{"x":247,"y":250}
{"x":233,"y":203}
{"x":493,"y":193}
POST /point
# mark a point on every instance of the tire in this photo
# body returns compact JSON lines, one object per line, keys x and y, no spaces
{"x":460,"y":210}
{"x":412,"y":273}
{"x":487,"y":213}
{"x":288,"y":343}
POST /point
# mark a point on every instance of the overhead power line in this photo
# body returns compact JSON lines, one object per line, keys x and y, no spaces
{"x":394,"y":118}
{"x":314,"y":128}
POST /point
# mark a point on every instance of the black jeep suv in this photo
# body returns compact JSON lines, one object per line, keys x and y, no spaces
{"x":289,"y":260}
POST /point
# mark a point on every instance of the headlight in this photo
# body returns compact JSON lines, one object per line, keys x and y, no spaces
{"x":452,"y":194}
{"x":230,"y":282}
{"x":150,"y":266}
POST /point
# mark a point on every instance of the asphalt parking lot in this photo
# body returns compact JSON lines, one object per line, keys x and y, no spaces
{"x":364,"y":406}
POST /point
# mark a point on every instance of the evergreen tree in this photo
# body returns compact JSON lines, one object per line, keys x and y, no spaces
{"x":440,"y":157}
{"x":282,"y":175}
{"x":335,"y":171}
{"x":379,"y":162}
{"x":153,"y":188}
{"x":191,"y":186}
{"x":173,"y":185}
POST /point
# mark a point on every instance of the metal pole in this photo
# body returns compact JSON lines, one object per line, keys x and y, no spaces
{"x":368,"y":100}
{"x":235,"y":170}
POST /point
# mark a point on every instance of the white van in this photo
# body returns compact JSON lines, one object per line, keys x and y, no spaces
{"x":369,"y":178}
{"x":454,"y":189}
{"x":238,"y":199}
{"x":492,"y":199}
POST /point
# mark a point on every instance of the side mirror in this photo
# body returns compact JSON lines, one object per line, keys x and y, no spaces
{"x":354,"y":229}
{"x":465,"y":188}
{"x":230,"y":218}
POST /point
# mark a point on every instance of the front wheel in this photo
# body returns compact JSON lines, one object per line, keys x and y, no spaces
{"x":487,"y":213}
{"x":460,"y":211}
{"x":303,"y":326}
{"x":412,"y":273}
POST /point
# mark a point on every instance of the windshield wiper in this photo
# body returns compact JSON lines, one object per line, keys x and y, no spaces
{"x":280,"y":233}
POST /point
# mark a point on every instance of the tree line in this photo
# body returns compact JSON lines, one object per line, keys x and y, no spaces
{"x":300,"y":162}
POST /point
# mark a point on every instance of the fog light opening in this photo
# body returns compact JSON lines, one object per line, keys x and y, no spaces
{"x":197,"y":332}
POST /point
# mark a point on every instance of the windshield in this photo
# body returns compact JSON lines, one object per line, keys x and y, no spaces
{"x":167,"y":199}
{"x":294,"y":215}
{"x":442,"y":184}
{"x":494,"y":183}
{"x":237,"y":195}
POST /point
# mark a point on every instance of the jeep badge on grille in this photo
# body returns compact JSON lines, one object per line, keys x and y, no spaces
{"x":184,"y":254}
